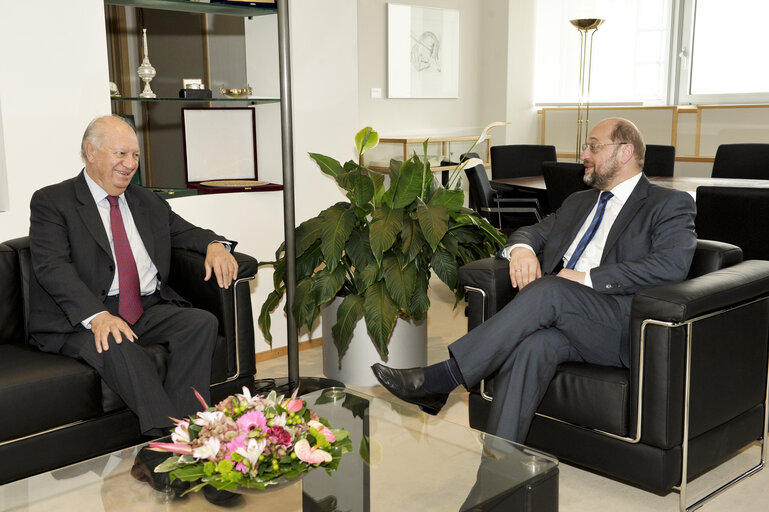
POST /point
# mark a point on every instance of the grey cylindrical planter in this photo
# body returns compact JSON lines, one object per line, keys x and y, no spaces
{"x":408,"y":348}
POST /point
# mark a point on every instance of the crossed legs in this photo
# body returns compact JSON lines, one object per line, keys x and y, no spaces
{"x":551,"y":321}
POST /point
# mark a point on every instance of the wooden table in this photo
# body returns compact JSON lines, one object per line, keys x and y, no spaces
{"x":686,"y":184}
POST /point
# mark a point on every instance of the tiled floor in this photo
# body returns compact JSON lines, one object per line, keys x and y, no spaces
{"x":580,"y":491}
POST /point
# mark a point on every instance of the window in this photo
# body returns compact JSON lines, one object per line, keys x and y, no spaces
{"x":630,"y":54}
{"x":722,"y":52}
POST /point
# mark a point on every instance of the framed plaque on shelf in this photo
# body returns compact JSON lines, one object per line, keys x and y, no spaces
{"x":220,"y":150}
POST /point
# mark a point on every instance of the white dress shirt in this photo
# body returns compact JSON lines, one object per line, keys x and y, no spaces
{"x":148,"y":273}
{"x":591,"y":257}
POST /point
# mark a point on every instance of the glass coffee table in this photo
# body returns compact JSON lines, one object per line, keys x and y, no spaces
{"x":402,"y":460}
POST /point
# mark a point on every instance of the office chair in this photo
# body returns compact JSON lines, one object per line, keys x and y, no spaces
{"x":506,"y":214}
{"x":659,"y":160}
{"x":562,"y":179}
{"x":749,"y":161}
{"x":736,"y":215}
{"x":695,"y":392}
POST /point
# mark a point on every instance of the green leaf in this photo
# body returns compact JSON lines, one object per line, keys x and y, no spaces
{"x":307,"y":234}
{"x":279,"y":273}
{"x":327,"y":283}
{"x":409,"y":185}
{"x":308,"y":262}
{"x":366,"y":139}
{"x":327,"y":164}
{"x":412,"y":240}
{"x":445,"y":266}
{"x":400,"y":281}
{"x":451,"y":199}
{"x":363,"y":189}
{"x":381,"y":313}
{"x":304,"y":308}
{"x":434,"y":221}
{"x":420,"y":301}
{"x":338,"y":221}
{"x":384,"y":229}
{"x":358,"y":248}
{"x":264,"y":321}
{"x":347,"y":316}
{"x":367,"y":276}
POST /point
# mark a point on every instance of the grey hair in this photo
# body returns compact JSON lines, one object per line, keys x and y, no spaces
{"x":93,"y":134}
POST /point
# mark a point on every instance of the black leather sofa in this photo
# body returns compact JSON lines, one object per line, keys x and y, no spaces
{"x":642,"y":424}
{"x":56,"y":411}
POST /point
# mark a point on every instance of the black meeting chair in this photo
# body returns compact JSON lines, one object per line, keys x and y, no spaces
{"x":695,"y":392}
{"x":562,"y":179}
{"x":659,"y":160}
{"x":519,"y":160}
{"x":506,"y":214}
{"x":749,"y":161}
{"x":737,"y":215}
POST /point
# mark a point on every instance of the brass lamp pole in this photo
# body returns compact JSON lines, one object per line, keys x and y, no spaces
{"x":584,"y":25}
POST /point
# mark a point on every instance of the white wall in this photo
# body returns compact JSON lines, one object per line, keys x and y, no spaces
{"x":54,"y":80}
{"x":496,"y":74}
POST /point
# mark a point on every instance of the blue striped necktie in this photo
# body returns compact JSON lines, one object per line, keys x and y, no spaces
{"x":591,"y":229}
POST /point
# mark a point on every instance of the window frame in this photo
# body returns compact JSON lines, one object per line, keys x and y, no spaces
{"x":681,"y":79}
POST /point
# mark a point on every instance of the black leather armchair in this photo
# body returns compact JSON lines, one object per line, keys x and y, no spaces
{"x":696,"y":390}
{"x":55,"y":409}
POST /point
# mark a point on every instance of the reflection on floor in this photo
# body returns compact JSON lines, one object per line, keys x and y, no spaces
{"x":580,"y":491}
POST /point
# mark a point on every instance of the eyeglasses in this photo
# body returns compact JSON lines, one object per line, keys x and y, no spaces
{"x":595,"y":148}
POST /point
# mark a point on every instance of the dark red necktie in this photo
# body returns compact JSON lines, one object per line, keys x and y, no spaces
{"x":129,"y":304}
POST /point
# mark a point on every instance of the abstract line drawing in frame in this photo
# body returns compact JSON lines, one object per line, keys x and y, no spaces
{"x":422,"y":52}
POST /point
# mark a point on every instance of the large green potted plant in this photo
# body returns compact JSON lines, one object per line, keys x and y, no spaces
{"x":377,"y":250}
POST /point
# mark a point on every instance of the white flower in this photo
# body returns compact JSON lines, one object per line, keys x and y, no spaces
{"x":252,"y":450}
{"x":279,"y":420}
{"x":181,"y":433}
{"x":209,"y":450}
{"x":209,"y":419}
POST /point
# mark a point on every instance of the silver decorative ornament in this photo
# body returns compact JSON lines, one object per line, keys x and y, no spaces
{"x":146,"y":71}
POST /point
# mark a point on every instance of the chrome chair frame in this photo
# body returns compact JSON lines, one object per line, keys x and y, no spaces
{"x":236,"y":375}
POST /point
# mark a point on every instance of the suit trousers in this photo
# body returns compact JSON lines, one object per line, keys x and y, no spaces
{"x":550,"y":321}
{"x":129,"y":370}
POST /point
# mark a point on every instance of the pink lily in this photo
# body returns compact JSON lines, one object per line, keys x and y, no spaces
{"x":323,"y":430}
{"x":311,"y":455}
{"x":182,"y":449}
{"x":200,"y":399}
{"x":294,"y":404}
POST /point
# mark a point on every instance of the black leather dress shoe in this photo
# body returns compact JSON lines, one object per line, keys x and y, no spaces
{"x":408,"y":385}
{"x":144,"y":469}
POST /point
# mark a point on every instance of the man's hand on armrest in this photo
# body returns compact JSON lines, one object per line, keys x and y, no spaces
{"x":222,"y":263}
{"x":524,"y":267}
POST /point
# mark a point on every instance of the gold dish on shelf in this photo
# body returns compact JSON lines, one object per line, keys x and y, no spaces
{"x":233,"y":183}
{"x":236,"y":93}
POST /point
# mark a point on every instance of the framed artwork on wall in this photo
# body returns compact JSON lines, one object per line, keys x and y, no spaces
{"x":422,"y":52}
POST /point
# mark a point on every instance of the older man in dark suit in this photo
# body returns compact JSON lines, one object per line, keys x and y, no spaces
{"x":100,"y":250}
{"x":576,"y":272}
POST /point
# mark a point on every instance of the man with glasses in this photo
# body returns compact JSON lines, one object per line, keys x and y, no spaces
{"x":576,"y":272}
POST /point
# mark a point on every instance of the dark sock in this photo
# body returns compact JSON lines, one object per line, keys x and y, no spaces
{"x":442,"y":377}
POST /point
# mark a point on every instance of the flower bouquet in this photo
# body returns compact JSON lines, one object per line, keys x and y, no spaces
{"x":251,"y":442}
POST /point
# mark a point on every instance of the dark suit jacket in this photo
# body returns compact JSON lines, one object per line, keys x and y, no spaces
{"x":71,"y":260}
{"x":651,"y":242}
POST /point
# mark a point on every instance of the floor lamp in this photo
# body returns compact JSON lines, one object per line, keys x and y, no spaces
{"x":584,"y":25}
